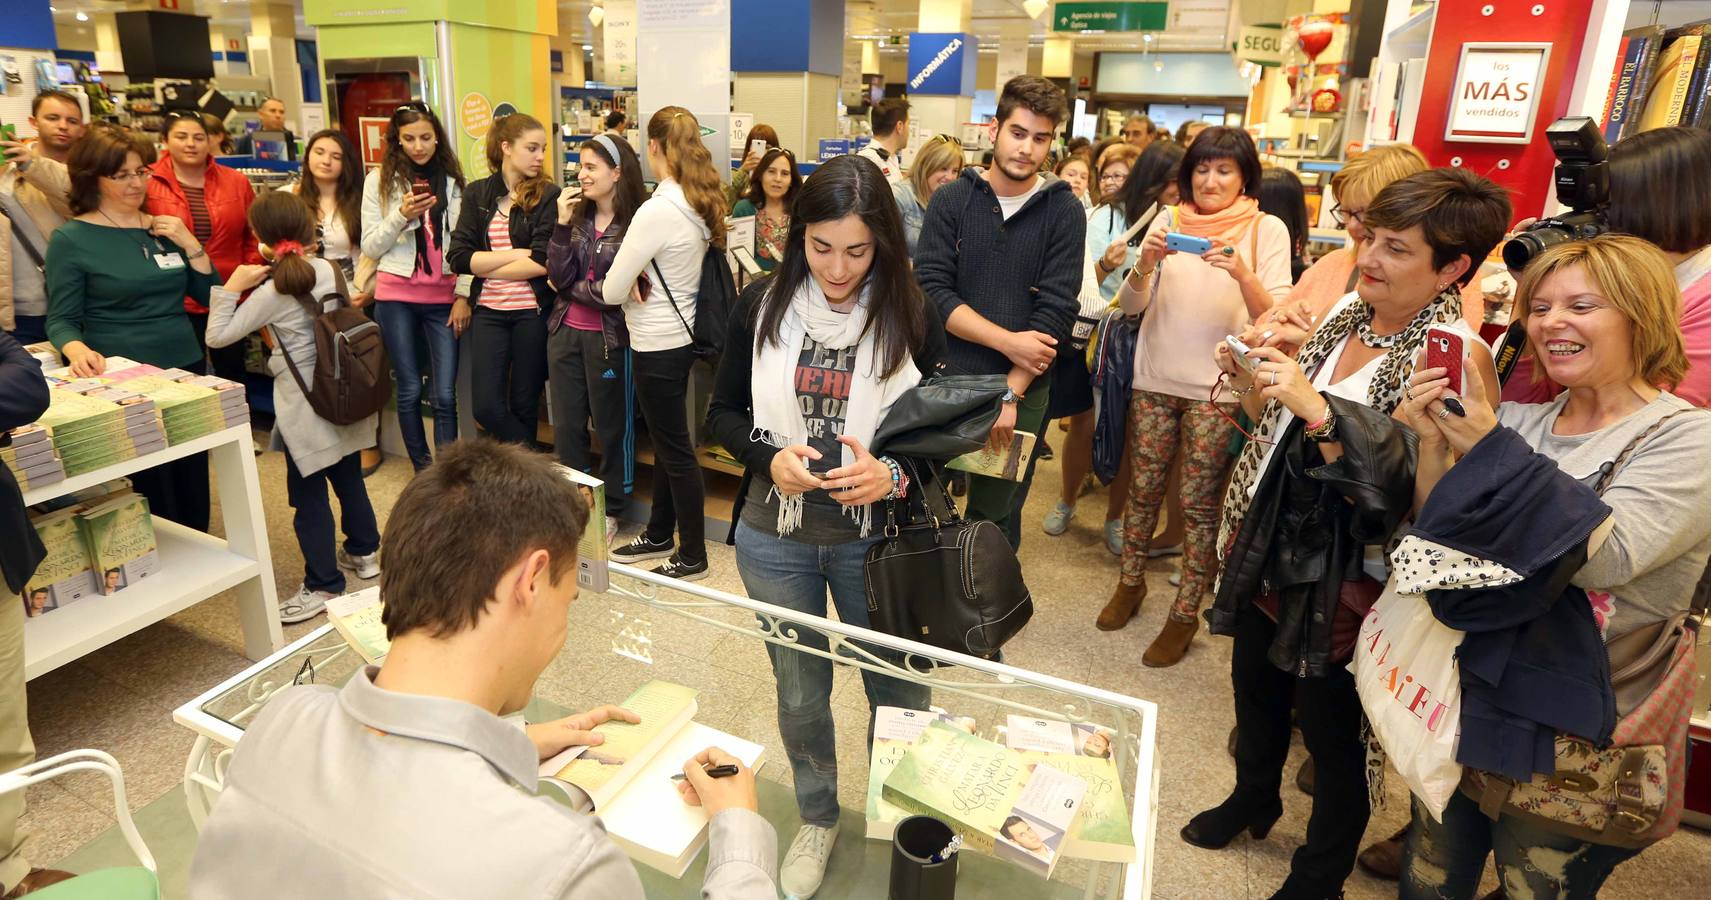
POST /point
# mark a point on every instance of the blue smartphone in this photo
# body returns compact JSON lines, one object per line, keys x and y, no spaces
{"x":1186,"y":243}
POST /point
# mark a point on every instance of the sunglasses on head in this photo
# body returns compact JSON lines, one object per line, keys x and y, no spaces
{"x":173,"y":115}
{"x":413,"y":106}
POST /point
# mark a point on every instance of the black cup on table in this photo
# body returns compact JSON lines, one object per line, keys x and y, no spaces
{"x":914,"y":875}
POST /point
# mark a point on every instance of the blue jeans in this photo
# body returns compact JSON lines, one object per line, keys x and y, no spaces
{"x":796,"y":576}
{"x":1443,"y":860}
{"x":409,"y":329}
{"x":313,"y":520}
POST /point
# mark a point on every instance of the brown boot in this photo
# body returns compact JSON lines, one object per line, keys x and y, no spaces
{"x":1304,"y":776}
{"x":1384,"y":859}
{"x":1171,"y":643}
{"x":1125,"y":602}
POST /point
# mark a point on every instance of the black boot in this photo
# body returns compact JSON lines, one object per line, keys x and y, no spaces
{"x":1215,"y":828}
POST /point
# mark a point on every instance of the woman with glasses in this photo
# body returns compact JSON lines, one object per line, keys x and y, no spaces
{"x":936,"y":165}
{"x":117,"y":280}
{"x":214,"y":201}
{"x":768,"y":200}
{"x":409,"y":205}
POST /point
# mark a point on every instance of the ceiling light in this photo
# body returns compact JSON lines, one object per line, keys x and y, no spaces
{"x":82,"y":16}
{"x":596,"y":16}
{"x":1034,"y":7}
{"x":588,"y":46}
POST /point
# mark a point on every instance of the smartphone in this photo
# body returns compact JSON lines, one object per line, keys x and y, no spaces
{"x":757,"y":147}
{"x":1186,"y":243}
{"x":421,"y":186}
{"x":1445,"y":349}
{"x":1240,"y":351}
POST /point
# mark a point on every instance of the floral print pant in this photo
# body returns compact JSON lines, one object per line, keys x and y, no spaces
{"x":1159,"y":426}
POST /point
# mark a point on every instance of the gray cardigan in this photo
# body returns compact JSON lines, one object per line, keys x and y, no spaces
{"x":313,"y":442}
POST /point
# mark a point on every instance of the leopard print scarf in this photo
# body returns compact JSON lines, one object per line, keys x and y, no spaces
{"x":1385,"y":393}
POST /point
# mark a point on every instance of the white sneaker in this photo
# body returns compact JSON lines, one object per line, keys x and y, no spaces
{"x":805,"y":865}
{"x":365,"y":567}
{"x":304,"y":606}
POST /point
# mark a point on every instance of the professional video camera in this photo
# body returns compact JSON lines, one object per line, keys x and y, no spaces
{"x":1583,"y":184}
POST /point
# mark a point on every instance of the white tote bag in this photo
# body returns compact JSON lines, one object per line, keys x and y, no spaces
{"x":1405,"y":671}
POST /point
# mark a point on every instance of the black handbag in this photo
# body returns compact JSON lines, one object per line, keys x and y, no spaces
{"x":942,"y":418}
{"x":950,"y":583}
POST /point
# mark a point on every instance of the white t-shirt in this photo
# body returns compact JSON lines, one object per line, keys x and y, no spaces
{"x":889,"y":163}
{"x":1010,"y":204}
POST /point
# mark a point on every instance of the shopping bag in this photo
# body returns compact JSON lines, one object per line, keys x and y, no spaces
{"x":1405,"y":671}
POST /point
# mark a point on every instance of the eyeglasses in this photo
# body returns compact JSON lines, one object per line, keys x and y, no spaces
{"x":1344,"y":216}
{"x":138,"y":175}
{"x":1112,"y":177}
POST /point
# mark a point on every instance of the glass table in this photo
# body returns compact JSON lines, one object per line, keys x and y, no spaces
{"x":645,"y":627}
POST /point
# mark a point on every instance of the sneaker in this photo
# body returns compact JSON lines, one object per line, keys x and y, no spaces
{"x":365,"y":567}
{"x":805,"y":865}
{"x":1057,"y":521}
{"x":1162,"y":552}
{"x":1046,"y":451}
{"x":304,"y":606}
{"x":1175,"y":579}
{"x":1114,"y":536}
{"x":641,"y":548}
{"x":676,"y":568}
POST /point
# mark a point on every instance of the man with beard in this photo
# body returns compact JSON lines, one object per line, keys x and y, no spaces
{"x":1000,"y":255}
{"x":28,"y":215}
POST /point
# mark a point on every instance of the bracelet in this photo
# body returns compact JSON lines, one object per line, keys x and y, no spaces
{"x":899,"y":482}
{"x":1239,"y":392}
{"x":198,"y":253}
{"x":1324,"y":430}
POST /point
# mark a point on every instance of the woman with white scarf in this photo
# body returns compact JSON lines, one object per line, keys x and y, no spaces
{"x":837,"y":333}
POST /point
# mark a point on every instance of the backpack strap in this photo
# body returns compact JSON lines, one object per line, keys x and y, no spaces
{"x":673,"y":300}
{"x":315,"y":309}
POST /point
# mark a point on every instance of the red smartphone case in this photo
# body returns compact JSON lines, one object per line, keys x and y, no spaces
{"x":1446,"y":349}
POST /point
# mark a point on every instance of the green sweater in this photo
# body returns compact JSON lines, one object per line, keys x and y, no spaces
{"x":105,"y":290}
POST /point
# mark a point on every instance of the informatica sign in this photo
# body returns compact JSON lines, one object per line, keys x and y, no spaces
{"x":1130,"y":16}
{"x":942,"y":64}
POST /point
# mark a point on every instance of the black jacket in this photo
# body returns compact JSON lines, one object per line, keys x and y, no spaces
{"x":1023,"y":274}
{"x":1329,"y":513}
{"x":23,"y":399}
{"x":1533,"y":661}
{"x":572,"y":250}
{"x":532,"y":230}
{"x":730,"y":412}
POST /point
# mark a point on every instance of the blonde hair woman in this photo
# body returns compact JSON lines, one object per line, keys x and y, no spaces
{"x":936,"y":165}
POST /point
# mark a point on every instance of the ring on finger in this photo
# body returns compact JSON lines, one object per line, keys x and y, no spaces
{"x":1273,"y":377}
{"x":1443,"y":412}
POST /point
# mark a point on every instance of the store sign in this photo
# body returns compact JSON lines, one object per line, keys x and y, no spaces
{"x":475,"y":113}
{"x":371,"y":139}
{"x":1495,"y":97}
{"x":942,"y":64}
{"x":1128,"y":16}
{"x":832,"y":148}
{"x":1262,"y":44}
{"x":618,"y":40}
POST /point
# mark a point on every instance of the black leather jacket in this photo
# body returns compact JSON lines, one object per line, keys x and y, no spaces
{"x":1308,"y":526}
{"x":569,"y":255}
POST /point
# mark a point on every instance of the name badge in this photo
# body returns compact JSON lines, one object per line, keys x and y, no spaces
{"x":169,"y":260}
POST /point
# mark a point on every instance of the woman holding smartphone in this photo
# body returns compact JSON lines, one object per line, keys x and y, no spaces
{"x":667,"y":240}
{"x":501,"y":239}
{"x":407,"y":205}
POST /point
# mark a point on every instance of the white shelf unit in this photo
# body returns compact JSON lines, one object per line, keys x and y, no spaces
{"x":194,"y":565}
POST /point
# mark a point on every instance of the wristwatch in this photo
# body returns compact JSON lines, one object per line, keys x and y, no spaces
{"x":198,"y":253}
{"x":1010,"y":397}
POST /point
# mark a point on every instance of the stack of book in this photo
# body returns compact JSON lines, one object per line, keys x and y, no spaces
{"x":31,"y":458}
{"x":188,"y":411}
{"x":142,"y":420}
{"x":87,"y":432}
{"x":118,"y":533}
{"x":1662,"y":77}
{"x":65,"y":574}
{"x":234,"y":406}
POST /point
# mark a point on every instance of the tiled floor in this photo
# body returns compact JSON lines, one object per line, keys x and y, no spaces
{"x":120,"y":699}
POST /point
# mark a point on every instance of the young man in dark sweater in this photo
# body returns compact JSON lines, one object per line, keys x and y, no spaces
{"x":1000,"y":255}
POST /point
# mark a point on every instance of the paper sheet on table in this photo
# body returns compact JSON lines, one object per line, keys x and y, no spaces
{"x":651,"y":816}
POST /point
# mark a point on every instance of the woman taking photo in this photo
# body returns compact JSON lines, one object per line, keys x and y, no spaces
{"x":936,"y":165}
{"x":332,"y":187}
{"x":409,"y":203}
{"x":816,"y":357}
{"x":1313,"y":502}
{"x":588,"y":347}
{"x":768,"y":200}
{"x":1189,"y":302}
{"x":317,"y":452}
{"x":214,"y":201}
{"x":1600,"y":320}
{"x":1150,"y":187}
{"x":666,"y":242}
{"x":501,"y":239}
{"x":117,"y":281}
{"x":740,"y":177}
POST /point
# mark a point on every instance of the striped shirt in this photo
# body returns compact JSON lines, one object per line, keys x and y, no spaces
{"x":504,"y":293}
{"x":201,"y":224}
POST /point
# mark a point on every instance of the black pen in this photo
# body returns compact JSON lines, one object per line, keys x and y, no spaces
{"x":712,"y":772}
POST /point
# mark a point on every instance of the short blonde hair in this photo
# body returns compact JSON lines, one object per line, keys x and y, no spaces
{"x":936,"y":155}
{"x":1124,"y":153}
{"x":1371,"y":172}
{"x":1639,"y":282}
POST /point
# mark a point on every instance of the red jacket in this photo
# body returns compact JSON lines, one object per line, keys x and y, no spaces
{"x":228,"y":196}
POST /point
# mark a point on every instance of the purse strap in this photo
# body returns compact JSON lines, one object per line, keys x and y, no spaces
{"x":671,"y":299}
{"x":1607,"y":472}
{"x":892,"y":523}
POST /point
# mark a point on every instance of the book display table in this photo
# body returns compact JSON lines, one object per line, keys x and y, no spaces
{"x":194,"y":565}
{"x":645,"y":628}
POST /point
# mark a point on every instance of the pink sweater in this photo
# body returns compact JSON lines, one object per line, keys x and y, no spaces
{"x":1198,"y":304}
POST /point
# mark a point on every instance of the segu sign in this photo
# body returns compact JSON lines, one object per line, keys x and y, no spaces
{"x":1262,"y":44}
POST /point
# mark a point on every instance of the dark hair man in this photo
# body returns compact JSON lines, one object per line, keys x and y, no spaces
{"x":890,"y":121}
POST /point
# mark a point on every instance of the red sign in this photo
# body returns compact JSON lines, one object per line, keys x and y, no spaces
{"x":169,"y":4}
{"x":231,"y":44}
{"x":372,"y":135}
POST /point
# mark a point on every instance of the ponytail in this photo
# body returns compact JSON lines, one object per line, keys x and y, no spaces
{"x":509,"y":130}
{"x":678,"y":135}
{"x":292,"y":272}
{"x":284,"y":222}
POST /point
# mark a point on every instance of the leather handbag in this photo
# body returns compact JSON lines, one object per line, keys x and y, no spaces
{"x":942,"y":418}
{"x":950,"y":583}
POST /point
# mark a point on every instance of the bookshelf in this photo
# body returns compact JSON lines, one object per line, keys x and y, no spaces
{"x":194,"y":565}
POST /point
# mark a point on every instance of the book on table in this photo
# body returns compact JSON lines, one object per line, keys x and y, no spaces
{"x":1000,"y":802}
{"x":1104,"y":832}
{"x":894,"y":731}
{"x":1009,"y":464}
{"x":357,"y":618}
{"x":628,"y":777}
{"x":65,"y":574}
{"x":120,"y":536}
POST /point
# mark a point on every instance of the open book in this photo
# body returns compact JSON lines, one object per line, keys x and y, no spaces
{"x":1104,"y":832}
{"x":628,"y":777}
{"x":357,"y":619}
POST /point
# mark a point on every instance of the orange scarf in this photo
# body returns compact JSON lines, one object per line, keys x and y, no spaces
{"x":1229,"y":225}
